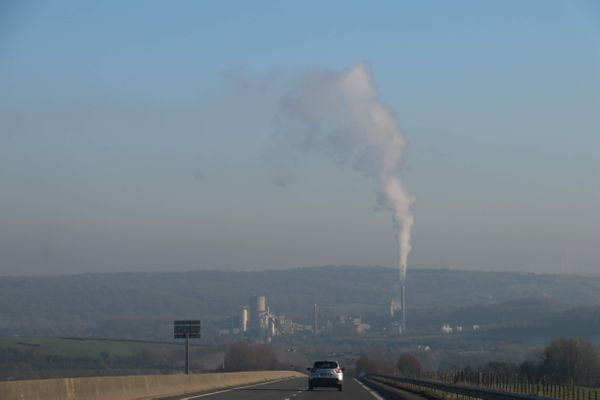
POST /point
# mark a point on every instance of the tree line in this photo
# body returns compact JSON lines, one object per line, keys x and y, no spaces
{"x":574,"y":361}
{"x":244,"y":356}
{"x":566,"y":361}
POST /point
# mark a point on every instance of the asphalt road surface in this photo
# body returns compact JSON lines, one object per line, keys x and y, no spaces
{"x":293,"y":389}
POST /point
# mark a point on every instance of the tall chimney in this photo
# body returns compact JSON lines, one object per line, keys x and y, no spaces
{"x":316,"y":326}
{"x":403,"y":300}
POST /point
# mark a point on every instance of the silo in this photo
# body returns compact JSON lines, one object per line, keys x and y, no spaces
{"x":261,"y":303}
{"x":244,"y":320}
{"x":254,"y":326}
{"x":258,"y":314}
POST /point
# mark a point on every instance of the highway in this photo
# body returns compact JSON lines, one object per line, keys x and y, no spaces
{"x":294,"y":389}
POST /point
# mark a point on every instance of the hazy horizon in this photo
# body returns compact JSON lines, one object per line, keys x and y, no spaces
{"x":146,"y":136}
{"x":291,"y":268}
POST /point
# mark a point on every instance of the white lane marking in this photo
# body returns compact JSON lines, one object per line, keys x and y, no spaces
{"x":373,"y":393}
{"x":235,"y":388}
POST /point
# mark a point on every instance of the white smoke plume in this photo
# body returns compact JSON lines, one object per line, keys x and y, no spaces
{"x":341,"y":112}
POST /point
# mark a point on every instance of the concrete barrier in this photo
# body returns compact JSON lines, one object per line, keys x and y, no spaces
{"x":136,"y":387}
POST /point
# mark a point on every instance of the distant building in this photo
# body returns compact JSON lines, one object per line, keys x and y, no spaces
{"x":447,"y":329}
{"x":391,"y":308}
{"x":359,"y":327}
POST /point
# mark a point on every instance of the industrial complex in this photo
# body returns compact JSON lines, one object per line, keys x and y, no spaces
{"x":257,"y":321}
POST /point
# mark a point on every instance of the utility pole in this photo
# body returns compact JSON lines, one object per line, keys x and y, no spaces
{"x":187,"y":354}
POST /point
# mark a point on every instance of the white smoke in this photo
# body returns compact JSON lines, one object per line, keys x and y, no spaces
{"x":341,"y":112}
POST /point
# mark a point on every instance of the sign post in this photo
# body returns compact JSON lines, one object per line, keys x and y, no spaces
{"x":187,"y":329}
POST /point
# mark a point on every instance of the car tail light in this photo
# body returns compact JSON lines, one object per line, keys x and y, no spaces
{"x":338,"y":370}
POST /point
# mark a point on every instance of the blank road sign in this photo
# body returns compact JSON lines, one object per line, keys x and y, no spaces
{"x":187,"y":328}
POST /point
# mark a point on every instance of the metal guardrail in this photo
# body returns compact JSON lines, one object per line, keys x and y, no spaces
{"x":485,"y":394}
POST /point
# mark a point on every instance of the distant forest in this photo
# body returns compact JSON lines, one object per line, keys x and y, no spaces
{"x":143,"y":305}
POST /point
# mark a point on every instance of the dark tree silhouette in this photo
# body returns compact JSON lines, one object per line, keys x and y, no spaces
{"x":243,"y":356}
{"x":409,"y":365}
{"x":568,"y":360}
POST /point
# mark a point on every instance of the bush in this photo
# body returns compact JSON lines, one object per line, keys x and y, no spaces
{"x":367,"y":366}
{"x":244,"y":356}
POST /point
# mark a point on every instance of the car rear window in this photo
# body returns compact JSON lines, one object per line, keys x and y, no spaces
{"x":326,"y":365}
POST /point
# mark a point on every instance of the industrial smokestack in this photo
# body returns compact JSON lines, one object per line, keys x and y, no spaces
{"x":316,"y":326}
{"x":403,"y":300}
{"x":342,"y":113}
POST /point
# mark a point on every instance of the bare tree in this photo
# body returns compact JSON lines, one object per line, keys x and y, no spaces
{"x":409,"y":365}
{"x":244,"y":356}
{"x":569,"y":360}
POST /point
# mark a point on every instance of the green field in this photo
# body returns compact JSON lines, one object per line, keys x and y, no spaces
{"x":43,"y":357}
{"x":68,"y":347}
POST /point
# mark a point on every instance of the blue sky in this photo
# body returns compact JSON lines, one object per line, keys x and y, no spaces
{"x":138,"y":135}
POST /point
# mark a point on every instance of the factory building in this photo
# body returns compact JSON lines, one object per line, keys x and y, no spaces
{"x":260,"y":322}
{"x":447,"y":329}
